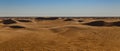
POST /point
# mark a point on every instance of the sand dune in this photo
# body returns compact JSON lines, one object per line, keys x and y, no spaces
{"x":59,"y":35}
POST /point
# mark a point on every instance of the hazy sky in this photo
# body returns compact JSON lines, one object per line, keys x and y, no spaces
{"x":59,"y":7}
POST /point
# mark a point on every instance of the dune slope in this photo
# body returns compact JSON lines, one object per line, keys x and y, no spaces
{"x":58,"y":35}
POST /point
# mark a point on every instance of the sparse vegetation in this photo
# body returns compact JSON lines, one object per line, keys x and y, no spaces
{"x":68,"y":19}
{"x":49,"y":18}
{"x":16,"y":27}
{"x":9,"y":21}
{"x":116,"y":23}
{"x":24,"y":20}
{"x":96,"y":23}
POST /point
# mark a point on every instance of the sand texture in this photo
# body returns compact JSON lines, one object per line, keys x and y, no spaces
{"x":59,"y":34}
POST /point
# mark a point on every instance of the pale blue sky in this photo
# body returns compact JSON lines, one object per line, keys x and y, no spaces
{"x":59,"y":7}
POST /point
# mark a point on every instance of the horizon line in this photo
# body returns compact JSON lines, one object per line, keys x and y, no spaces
{"x":59,"y":16}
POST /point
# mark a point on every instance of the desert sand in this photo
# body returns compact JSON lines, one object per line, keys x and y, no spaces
{"x":60,"y":34}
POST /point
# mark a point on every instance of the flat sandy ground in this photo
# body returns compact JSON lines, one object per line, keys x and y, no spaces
{"x":59,"y":35}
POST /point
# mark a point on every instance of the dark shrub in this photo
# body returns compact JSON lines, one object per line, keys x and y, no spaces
{"x":96,"y":23}
{"x":16,"y":27}
{"x":24,"y":20}
{"x":116,"y":23}
{"x":68,"y":19}
{"x":80,"y":20}
{"x":9,"y":21}
{"x":49,"y":18}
